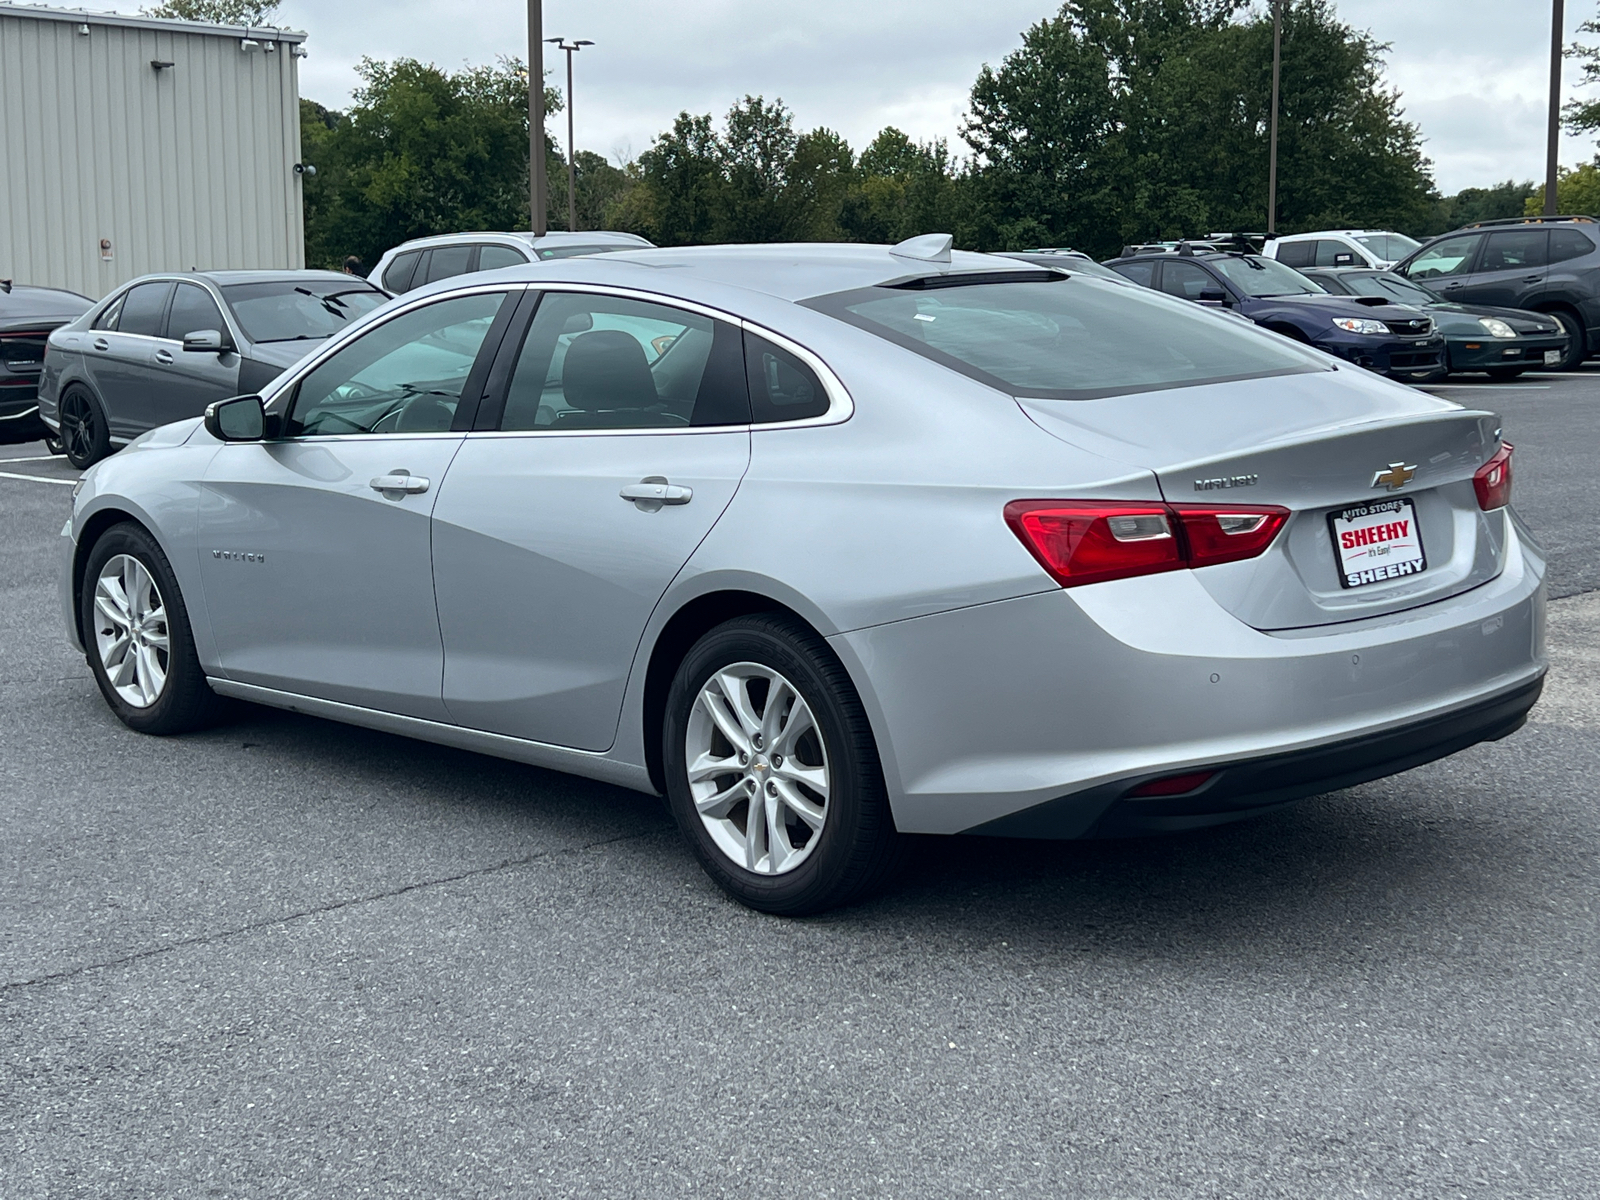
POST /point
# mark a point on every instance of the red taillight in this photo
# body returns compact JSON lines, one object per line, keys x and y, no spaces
{"x":1173,"y":785}
{"x":1492,"y":481}
{"x":1220,"y":535}
{"x":1090,"y":541}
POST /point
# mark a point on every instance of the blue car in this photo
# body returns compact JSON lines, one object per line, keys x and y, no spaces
{"x":1397,"y":340}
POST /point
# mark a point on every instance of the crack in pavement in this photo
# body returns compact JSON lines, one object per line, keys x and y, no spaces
{"x":206,"y":939}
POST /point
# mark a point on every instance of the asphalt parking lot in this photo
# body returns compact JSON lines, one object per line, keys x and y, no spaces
{"x":289,"y":958}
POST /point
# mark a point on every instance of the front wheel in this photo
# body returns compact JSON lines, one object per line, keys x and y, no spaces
{"x":136,"y":635}
{"x":54,"y":445}
{"x":772,"y":772}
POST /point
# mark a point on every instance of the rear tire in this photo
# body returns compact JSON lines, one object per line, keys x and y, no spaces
{"x":84,"y":433}
{"x":823,"y":835}
{"x":137,"y":638}
{"x":1577,"y":340}
{"x":1502,"y":374}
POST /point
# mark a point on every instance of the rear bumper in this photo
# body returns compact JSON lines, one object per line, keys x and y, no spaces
{"x":1249,"y":787}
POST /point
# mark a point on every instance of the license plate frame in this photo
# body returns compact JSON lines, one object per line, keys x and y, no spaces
{"x":1380,"y":560}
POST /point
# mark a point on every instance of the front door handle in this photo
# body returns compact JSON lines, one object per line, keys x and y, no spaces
{"x":1532,"y":278}
{"x":101,"y":344}
{"x":164,"y":357}
{"x":399,"y":483}
{"x":651,"y":492}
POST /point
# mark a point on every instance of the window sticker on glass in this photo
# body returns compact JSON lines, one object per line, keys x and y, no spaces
{"x":1377,"y":542}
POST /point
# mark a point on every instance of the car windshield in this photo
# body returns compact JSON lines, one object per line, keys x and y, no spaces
{"x":1390,"y":287}
{"x":1068,"y":338}
{"x":287,"y":310}
{"x":1391,"y":247}
{"x":1257,"y":276}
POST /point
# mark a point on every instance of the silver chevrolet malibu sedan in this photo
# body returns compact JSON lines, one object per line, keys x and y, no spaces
{"x":830,"y":544}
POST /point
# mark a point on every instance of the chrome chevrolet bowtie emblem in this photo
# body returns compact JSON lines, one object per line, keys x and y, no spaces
{"x":1395,"y":477}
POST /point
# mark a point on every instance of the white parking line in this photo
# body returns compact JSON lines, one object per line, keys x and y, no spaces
{"x":1492,"y":387}
{"x":35,"y":478}
{"x":35,"y":458}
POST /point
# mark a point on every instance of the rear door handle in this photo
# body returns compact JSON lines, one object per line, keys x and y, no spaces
{"x":399,"y":483}
{"x":651,"y":492}
{"x":101,"y":344}
{"x":164,"y":357}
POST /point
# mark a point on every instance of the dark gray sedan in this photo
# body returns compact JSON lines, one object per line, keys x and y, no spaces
{"x":163,"y":347}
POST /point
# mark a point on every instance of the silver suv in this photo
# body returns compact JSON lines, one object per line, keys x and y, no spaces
{"x":427,"y":260}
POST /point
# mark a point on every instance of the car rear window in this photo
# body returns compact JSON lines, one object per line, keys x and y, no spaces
{"x":1069,"y":338}
{"x":288,"y":311}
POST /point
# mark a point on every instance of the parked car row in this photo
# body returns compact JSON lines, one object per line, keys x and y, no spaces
{"x":1501,"y":297}
{"x":27,"y":317}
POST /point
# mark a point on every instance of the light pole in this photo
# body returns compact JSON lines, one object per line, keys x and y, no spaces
{"x":537,"y":189}
{"x":572,"y":153}
{"x":1272,"y":153}
{"x":1553,"y":147}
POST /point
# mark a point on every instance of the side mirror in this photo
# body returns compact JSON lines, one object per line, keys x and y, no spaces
{"x":241,"y":419}
{"x":1213,"y":295}
{"x":207,"y":341}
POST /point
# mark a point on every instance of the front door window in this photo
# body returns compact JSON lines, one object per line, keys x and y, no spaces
{"x":1451,"y":257}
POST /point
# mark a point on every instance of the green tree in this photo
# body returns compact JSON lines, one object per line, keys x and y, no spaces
{"x":1129,"y":119}
{"x":1583,"y":116}
{"x":1577,"y":191}
{"x":420,"y":151}
{"x":220,"y":12}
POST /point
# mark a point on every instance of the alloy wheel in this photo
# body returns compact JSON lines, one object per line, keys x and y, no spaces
{"x":757,"y":767}
{"x":130,"y":631}
{"x":77,"y":426}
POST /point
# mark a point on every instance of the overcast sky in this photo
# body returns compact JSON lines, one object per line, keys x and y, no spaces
{"x":1473,"y":73}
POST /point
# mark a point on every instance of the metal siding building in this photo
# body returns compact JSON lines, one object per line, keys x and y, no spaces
{"x":183,"y":166}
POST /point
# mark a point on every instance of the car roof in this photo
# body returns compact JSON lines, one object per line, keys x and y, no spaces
{"x":1291,"y":237}
{"x":225,"y":278}
{"x":559,"y":237}
{"x":788,"y":271}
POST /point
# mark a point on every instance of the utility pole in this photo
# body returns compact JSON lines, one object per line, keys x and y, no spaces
{"x":572,"y":151}
{"x":1272,"y":154}
{"x":1553,"y":147}
{"x":536,"y":182}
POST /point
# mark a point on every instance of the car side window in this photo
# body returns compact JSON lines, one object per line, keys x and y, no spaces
{"x":1452,"y":256}
{"x":492,"y":258}
{"x":1297,"y":254}
{"x":398,"y":277}
{"x":446,"y":262}
{"x":1568,"y":243}
{"x":609,"y":362}
{"x":1141,"y":273}
{"x":193,"y":309}
{"x":782,"y":388}
{"x":1185,"y":279}
{"x":1333,"y":254}
{"x":144,"y":308}
{"x":405,"y":376}
{"x":108,"y":316}
{"x":1515,"y":249}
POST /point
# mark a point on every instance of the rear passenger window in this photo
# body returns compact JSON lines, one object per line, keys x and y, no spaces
{"x":143,"y":309}
{"x":1568,"y":243}
{"x":108,"y":318}
{"x":491,"y":258}
{"x":449,"y":261}
{"x":606,"y":362}
{"x":1141,"y":273}
{"x":782,"y":388}
{"x":398,"y":277}
{"x":1515,"y":250}
{"x":1298,"y":254}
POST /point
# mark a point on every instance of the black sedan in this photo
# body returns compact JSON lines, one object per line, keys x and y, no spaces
{"x":1398,"y":340}
{"x":27,"y":315}
{"x":1504,"y":342}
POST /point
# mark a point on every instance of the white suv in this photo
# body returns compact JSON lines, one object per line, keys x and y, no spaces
{"x":426,"y":260}
{"x":1339,"y":248}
